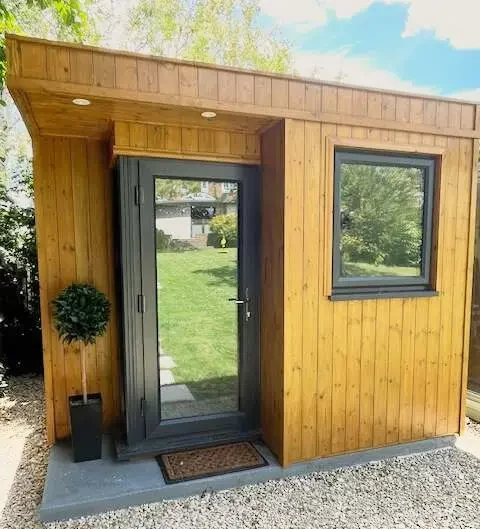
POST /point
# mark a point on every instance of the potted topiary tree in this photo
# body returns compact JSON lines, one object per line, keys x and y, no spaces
{"x":81,"y":314}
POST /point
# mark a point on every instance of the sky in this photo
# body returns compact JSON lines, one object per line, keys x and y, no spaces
{"x":425,"y":46}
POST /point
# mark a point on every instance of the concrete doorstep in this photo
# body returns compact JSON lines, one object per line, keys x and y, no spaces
{"x":79,"y":489}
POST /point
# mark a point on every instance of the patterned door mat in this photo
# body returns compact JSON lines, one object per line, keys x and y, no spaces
{"x":211,"y":461}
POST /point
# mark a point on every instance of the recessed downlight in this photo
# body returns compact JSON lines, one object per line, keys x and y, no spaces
{"x":81,"y":102}
{"x":209,"y":114}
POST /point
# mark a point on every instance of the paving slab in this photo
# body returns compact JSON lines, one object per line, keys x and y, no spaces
{"x":77,"y":489}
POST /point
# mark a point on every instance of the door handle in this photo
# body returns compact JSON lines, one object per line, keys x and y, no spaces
{"x":244,"y":302}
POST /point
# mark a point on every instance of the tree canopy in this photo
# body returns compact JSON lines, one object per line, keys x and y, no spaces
{"x":215,"y":31}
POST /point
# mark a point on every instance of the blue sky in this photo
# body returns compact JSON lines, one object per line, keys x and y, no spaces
{"x":421,"y":45}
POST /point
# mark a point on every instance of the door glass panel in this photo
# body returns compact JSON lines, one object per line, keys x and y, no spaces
{"x":196,"y":226}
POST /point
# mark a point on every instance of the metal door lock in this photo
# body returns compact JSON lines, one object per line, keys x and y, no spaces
{"x":245,"y":302}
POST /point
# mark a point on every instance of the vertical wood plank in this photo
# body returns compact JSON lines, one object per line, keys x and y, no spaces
{"x":34,"y":60}
{"x":329,"y":99}
{"x":293,"y":280}
{"x":168,"y":78}
{"x":459,"y":280}
{"x":339,"y":368}
{"x":81,"y":67}
{"x":311,"y":228}
{"x":263,"y":91}
{"x":58,"y":64}
{"x":126,"y":73}
{"x":227,"y":87}
{"x":420,"y":367}
{"x":222,"y":142}
{"x":83,"y":247}
{"x":313,"y":98}
{"x":279,"y":93}
{"x":156,"y":137}
{"x":147,"y":75}
{"x":66,"y":254}
{"x":367,"y":374}
{"x":354,"y":349}
{"x":189,"y":139}
{"x":206,"y":140}
{"x":374,"y":105}
{"x":99,"y":271}
{"x":325,"y":314}
{"x":138,"y":135}
{"x":406,"y":370}
{"x":188,"y":80}
{"x":245,"y":88}
{"x":345,"y":101}
{"x":103,"y":70}
{"x":447,"y":279}
{"x":296,"y":95}
{"x":41,"y":170}
{"x":208,"y":85}
{"x":381,"y":372}
{"x":394,"y":367}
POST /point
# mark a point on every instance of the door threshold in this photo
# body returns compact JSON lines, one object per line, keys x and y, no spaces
{"x":151,"y":447}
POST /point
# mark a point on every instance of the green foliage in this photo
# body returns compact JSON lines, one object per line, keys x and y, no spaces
{"x":175,"y":188}
{"x":225,"y":226}
{"x":215,"y":31}
{"x":81,"y":313}
{"x":381,"y":215}
{"x":67,"y":17}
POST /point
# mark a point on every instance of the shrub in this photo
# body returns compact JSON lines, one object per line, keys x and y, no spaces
{"x":81,"y":313}
{"x":225,"y":226}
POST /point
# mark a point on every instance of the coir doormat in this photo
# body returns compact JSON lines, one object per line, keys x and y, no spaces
{"x":211,"y":461}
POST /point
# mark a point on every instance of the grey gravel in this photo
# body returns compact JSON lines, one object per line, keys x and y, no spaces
{"x":23,"y":452}
{"x":440,"y":489}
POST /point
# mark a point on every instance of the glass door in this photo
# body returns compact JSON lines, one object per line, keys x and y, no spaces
{"x":199,"y":228}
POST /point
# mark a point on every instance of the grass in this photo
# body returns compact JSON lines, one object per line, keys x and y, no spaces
{"x":198,"y":325}
{"x":369,"y":269}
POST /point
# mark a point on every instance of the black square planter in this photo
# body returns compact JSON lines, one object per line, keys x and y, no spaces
{"x":86,"y":423}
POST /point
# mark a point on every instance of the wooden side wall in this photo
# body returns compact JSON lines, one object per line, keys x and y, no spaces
{"x":185,"y":142}
{"x":73,"y":207}
{"x":363,"y":374}
{"x":272,"y":270}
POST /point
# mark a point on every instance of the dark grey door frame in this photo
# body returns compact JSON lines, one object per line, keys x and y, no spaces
{"x":139,"y":300}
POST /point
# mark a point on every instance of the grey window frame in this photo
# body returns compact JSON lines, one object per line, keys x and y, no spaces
{"x":371,"y":287}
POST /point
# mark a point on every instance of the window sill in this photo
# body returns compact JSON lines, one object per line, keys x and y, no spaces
{"x":383,"y":295}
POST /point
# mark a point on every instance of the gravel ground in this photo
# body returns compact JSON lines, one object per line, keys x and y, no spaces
{"x":440,"y":489}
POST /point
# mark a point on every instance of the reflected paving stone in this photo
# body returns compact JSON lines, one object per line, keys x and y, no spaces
{"x":166,"y":377}
{"x":176,"y":393}
{"x":166,"y":362}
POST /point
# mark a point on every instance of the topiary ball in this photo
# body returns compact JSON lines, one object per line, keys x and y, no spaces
{"x":81,"y":313}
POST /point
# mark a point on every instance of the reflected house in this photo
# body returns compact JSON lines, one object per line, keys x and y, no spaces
{"x":187,"y":218}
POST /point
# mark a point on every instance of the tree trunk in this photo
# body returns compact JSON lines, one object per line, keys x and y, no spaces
{"x":83,"y":352}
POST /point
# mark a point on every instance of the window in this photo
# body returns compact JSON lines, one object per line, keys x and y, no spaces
{"x":204,"y":187}
{"x":382,"y":225}
{"x":229,"y":187}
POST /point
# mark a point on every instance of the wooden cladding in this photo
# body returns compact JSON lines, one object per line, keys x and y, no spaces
{"x":272,"y":293}
{"x":73,"y":212}
{"x":364,"y":373}
{"x":185,"y":142}
{"x":115,"y":75}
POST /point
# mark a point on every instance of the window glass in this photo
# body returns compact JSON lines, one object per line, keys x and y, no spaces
{"x":381,"y":224}
{"x":383,"y":218}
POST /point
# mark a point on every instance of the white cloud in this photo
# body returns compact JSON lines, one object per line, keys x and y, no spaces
{"x":308,"y":14}
{"x":338,"y":66}
{"x":469,"y":95}
{"x":454,"y":20}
